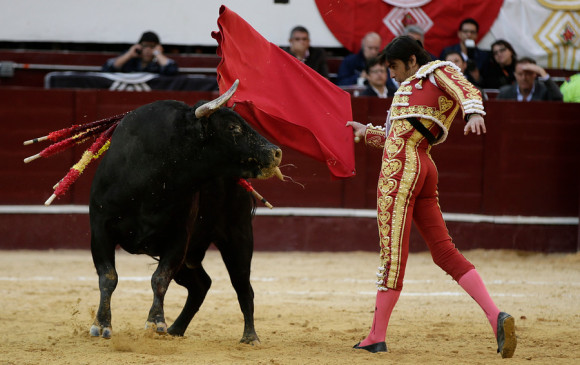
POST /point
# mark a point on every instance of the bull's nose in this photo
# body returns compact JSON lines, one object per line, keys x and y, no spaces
{"x":277,"y":156}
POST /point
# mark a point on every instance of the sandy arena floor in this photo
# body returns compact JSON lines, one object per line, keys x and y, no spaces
{"x":310,"y":309}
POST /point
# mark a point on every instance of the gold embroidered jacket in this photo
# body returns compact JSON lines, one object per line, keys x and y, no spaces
{"x":435,"y":92}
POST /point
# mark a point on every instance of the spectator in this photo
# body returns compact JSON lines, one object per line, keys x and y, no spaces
{"x":502,"y":65}
{"x":458,"y":60}
{"x":477,"y":59}
{"x":377,"y":80}
{"x":145,"y":56}
{"x":528,"y":86}
{"x":416,"y":32}
{"x":352,"y":68}
{"x":300,"y":48}
{"x":571,"y":89}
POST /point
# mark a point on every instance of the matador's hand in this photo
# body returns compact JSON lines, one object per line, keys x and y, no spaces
{"x":358,"y":129}
{"x":476,"y":124}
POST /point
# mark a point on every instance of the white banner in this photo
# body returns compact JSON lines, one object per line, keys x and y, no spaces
{"x":545,"y":30}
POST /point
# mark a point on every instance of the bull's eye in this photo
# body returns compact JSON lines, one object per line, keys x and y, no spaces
{"x":235,"y":128}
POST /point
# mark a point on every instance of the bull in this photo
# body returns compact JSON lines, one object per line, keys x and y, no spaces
{"x":167,"y":187}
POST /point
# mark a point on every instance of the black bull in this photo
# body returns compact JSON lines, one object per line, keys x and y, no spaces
{"x":167,"y":187}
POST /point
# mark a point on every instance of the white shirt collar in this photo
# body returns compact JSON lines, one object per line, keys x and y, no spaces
{"x":529,"y":97}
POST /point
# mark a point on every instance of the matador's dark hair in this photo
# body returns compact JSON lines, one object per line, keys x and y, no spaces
{"x":402,"y":48}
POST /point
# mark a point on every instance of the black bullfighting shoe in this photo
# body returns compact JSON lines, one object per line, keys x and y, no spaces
{"x":375,"y":347}
{"x":506,"y":335}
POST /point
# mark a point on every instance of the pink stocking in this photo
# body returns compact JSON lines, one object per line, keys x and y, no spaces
{"x":386,"y":301}
{"x":471,"y":282}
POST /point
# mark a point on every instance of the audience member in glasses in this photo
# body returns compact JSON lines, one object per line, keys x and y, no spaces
{"x":532,"y":83}
{"x":145,"y":56}
{"x":502,"y":66}
{"x":377,"y":80}
{"x":300,"y":48}
{"x":477,"y":59}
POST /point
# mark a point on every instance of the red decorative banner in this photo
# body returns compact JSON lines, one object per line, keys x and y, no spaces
{"x":350,"y":20}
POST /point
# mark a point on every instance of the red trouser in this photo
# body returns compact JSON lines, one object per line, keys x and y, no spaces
{"x":407,"y":191}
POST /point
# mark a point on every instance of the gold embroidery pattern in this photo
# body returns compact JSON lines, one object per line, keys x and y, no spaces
{"x":384,"y":201}
{"x":394,"y":146}
{"x":391,"y":167}
{"x":422,"y":110}
{"x":400,"y":207}
{"x":405,"y":88}
{"x":471,"y":92}
{"x":375,"y":137}
{"x":444,"y":104}
{"x":387,"y":186}
{"x":393,"y":198}
{"x":400,"y":99}
{"x":400,"y":127}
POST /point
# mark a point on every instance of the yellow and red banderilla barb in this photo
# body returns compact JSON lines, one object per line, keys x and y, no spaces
{"x":66,"y":138}
{"x":246,"y":185}
{"x":85,"y":130}
{"x":77,"y":134}
{"x":92,"y":153}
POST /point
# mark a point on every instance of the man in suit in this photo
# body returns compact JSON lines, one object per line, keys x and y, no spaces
{"x":377,"y":80}
{"x":476,"y":58}
{"x":300,"y":48}
{"x":532,"y":83}
{"x":352,"y":68}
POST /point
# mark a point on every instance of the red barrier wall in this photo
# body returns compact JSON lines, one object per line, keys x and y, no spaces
{"x":526,"y":165}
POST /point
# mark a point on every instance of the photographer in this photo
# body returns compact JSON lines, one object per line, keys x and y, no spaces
{"x":477,"y":59}
{"x":145,"y":56}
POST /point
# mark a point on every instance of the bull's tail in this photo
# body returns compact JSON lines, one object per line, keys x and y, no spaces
{"x":77,"y":134}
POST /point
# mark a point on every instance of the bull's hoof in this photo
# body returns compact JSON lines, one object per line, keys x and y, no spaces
{"x":160,"y":328}
{"x":104,"y":332}
{"x":250,"y":340}
{"x":174,"y":331}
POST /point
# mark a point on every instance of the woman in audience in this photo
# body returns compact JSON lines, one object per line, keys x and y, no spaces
{"x":503,"y":63}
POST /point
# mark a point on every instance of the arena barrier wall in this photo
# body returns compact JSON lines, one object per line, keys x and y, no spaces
{"x":517,"y":187}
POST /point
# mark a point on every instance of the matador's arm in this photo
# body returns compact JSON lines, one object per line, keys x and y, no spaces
{"x":456,"y":85}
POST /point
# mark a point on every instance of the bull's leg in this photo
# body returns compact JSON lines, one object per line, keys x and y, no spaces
{"x":169,"y":264}
{"x":104,"y":260}
{"x":197,"y":282}
{"x":238,"y":264}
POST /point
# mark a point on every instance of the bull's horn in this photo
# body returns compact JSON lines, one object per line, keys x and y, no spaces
{"x":206,"y":109}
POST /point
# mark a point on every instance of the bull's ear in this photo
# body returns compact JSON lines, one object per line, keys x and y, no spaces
{"x":199,"y":128}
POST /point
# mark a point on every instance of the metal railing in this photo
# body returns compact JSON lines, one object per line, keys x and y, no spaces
{"x":7,"y":68}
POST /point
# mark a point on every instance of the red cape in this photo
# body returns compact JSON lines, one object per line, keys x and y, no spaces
{"x":284,"y":97}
